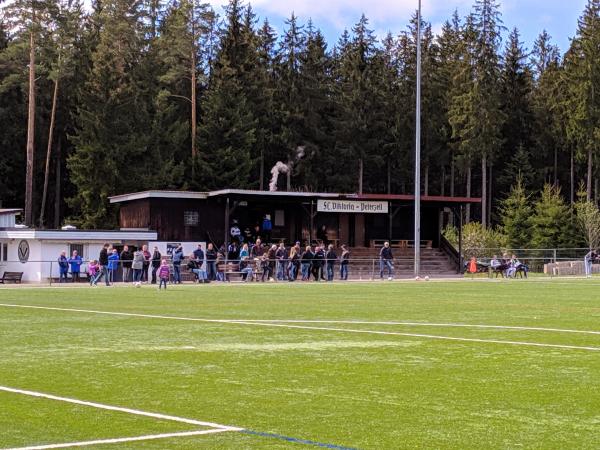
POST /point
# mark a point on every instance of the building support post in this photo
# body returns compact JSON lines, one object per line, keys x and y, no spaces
{"x":461,"y":263}
{"x":312,"y":222}
{"x":391,"y":221}
{"x":226,"y":237}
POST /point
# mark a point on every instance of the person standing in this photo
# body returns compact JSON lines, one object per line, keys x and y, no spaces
{"x":331,"y":258}
{"x":163,"y":274}
{"x":63,"y":267}
{"x":177,"y":258}
{"x":93,"y":272}
{"x":344,"y":262}
{"x":113,"y":264}
{"x":317,"y":263}
{"x":199,"y":255}
{"x":306,"y":261}
{"x":267,"y":227}
{"x":294,"y":263}
{"x":147,"y":258}
{"x":233,"y":251}
{"x":235,"y":232}
{"x":75,"y":262}
{"x":257,"y":250}
{"x":126,"y":259}
{"x":281,"y":257}
{"x":588,"y":261}
{"x":138,"y":266}
{"x":386,"y":260}
{"x":103,"y":263}
{"x":156,"y":257}
{"x":211,"y":262}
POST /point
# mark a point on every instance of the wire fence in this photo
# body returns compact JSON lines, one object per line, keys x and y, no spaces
{"x":188,"y":270}
{"x":549,"y":262}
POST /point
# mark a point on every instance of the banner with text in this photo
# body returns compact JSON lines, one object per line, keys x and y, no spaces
{"x":352,"y":206}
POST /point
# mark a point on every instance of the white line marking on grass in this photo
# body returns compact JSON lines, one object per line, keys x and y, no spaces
{"x":118,"y":408}
{"x":344,"y":330}
{"x":120,"y":440}
{"x":421,"y":324}
{"x":425,"y":336}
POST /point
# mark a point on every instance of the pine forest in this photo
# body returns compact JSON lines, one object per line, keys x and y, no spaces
{"x":130,"y":95}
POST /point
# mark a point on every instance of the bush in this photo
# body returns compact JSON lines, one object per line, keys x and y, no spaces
{"x":478,"y":241}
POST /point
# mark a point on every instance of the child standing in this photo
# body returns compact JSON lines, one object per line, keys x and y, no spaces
{"x":163,"y":274}
{"x":93,"y":272}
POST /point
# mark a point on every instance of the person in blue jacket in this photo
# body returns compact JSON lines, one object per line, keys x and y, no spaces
{"x":75,"y":262}
{"x":113,"y":264}
{"x":267,"y":227}
{"x":63,"y":267}
{"x":177,"y":260}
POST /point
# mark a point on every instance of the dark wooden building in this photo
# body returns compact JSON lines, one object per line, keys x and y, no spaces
{"x":353,"y":219}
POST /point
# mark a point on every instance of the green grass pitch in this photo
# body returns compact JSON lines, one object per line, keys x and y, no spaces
{"x":530,"y":381}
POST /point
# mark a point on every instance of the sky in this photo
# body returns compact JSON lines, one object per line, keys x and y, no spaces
{"x":558,"y":17}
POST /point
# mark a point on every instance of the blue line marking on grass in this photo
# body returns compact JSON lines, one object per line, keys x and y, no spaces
{"x":297,"y":440}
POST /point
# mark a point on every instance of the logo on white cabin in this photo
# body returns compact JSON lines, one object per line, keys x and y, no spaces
{"x":23,"y":251}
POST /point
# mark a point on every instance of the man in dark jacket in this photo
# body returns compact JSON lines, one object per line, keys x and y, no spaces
{"x":211,"y":263}
{"x":126,"y":259}
{"x":103,"y":262}
{"x":317,"y":263}
{"x":156,"y":256}
{"x":331,"y":258}
{"x":386,"y":260}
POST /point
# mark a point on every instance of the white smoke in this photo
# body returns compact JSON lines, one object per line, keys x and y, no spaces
{"x":281,"y":168}
{"x":275,"y":171}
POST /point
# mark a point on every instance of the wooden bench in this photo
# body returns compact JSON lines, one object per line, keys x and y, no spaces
{"x":228,"y":269}
{"x":12,"y":277}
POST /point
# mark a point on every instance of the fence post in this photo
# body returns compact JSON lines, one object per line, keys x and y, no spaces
{"x":373,"y":270}
{"x":554,"y":253}
{"x":51,"y":273}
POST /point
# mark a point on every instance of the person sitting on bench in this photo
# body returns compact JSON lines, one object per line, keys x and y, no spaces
{"x":194,"y":267}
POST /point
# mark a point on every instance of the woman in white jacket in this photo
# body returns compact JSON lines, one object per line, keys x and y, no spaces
{"x":137,"y":266}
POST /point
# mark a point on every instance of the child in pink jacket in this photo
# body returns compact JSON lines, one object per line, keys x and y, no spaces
{"x":163,"y":273}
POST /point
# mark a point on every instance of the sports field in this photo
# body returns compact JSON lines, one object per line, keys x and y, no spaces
{"x":464,"y":364}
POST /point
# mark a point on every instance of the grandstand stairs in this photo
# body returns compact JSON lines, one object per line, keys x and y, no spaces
{"x":434,"y":263}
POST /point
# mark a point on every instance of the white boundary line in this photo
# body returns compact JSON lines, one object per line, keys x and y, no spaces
{"x":136,"y":412}
{"x":420,"y":324}
{"x":343,"y":330}
{"x":300,"y":321}
{"x":120,"y":440}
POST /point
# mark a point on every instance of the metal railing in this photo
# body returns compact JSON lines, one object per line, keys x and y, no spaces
{"x":122,"y":271}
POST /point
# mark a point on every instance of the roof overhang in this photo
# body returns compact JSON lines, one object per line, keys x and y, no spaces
{"x":158,"y":194}
{"x":12,"y":211}
{"x":240,"y":193}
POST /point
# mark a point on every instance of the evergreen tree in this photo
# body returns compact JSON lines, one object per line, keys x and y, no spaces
{"x":551,"y":225}
{"x":317,"y":110}
{"x":518,"y":167}
{"x":111,"y":138}
{"x":227,"y":131}
{"x":30,"y":19}
{"x":357,"y":126}
{"x":487,"y":124}
{"x":228,"y":127}
{"x":449,"y":44}
{"x":583,"y":71}
{"x":547,"y":106}
{"x":515,"y":214}
{"x":518,"y":126}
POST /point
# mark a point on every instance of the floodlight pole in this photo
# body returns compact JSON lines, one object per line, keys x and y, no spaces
{"x":418,"y":152}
